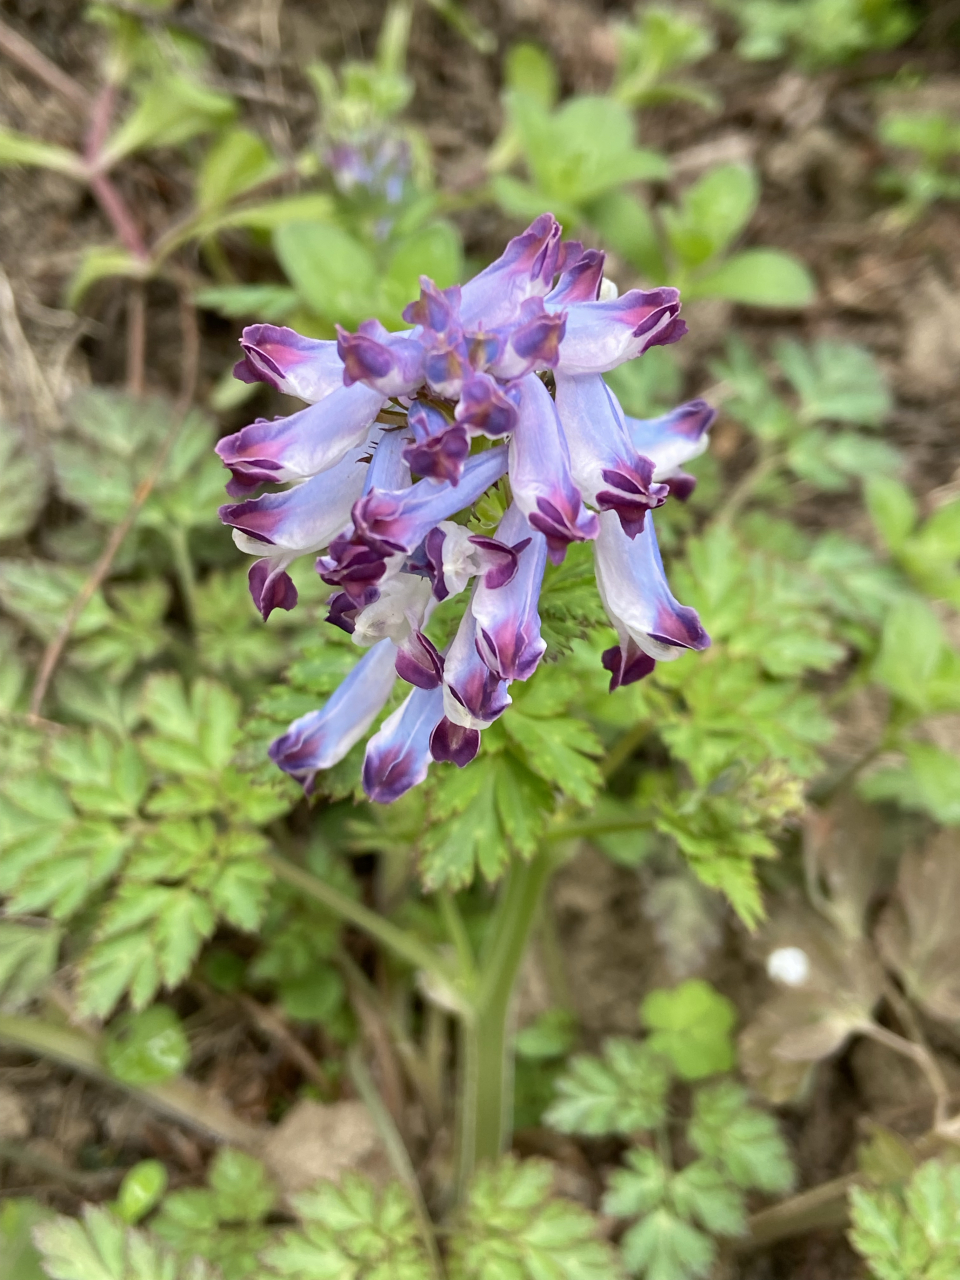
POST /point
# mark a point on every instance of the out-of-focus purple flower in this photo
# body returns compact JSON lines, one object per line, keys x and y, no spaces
{"x":673,"y":439}
{"x":476,"y":362}
{"x":302,"y":445}
{"x":638,"y":601}
{"x":398,"y":754}
{"x":604,"y":461}
{"x":508,"y":624}
{"x":543,"y":487}
{"x":321,"y":738}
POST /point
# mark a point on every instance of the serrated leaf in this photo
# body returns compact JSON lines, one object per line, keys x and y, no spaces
{"x":19,"y":1258}
{"x":28,"y":957}
{"x":39,"y":594}
{"x":22,"y":483}
{"x":511,"y":1227}
{"x":663,"y":1247}
{"x":19,"y":148}
{"x":101,"y":1247}
{"x":836,"y":382}
{"x":621,"y":1092}
{"x":741,"y":1139}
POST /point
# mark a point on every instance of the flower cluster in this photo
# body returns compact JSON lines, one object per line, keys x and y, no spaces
{"x":499,"y":378}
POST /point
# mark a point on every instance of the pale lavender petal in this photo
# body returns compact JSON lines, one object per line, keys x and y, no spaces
{"x":603,"y":459}
{"x":508,"y":624}
{"x":394,"y":521}
{"x":532,"y":343}
{"x":303,"y":518}
{"x":398,"y":754}
{"x":305,"y":367}
{"x":487,"y":408}
{"x":540,"y":475}
{"x":436,"y":311}
{"x":673,"y":439}
{"x":636,"y":596}
{"x":304,"y":444}
{"x":321,"y":738}
{"x":525,"y":269}
{"x":601,"y":335}
{"x":473,"y":696}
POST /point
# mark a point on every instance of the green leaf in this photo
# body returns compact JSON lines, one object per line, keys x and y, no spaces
{"x":101,"y":1247}
{"x":172,"y":109}
{"x":98,"y":262}
{"x":691,"y":1026}
{"x":434,"y":250}
{"x":19,"y":148}
{"x":551,"y":1035}
{"x":309,"y":207}
{"x":142,"y":1190}
{"x":146,"y":1048}
{"x":929,"y":781}
{"x":621,"y":1092}
{"x":352,"y":1232}
{"x":270,"y":302}
{"x":836,"y":382}
{"x":19,"y":1258}
{"x":331,"y":271}
{"x":529,"y":69}
{"x":40,"y":593}
{"x":663,"y":1247}
{"x":242,"y":1191}
{"x":625,"y":224}
{"x":758,"y":278}
{"x":742,"y":1140}
{"x":910,"y":1233}
{"x":28,"y":957}
{"x":512,"y":1229}
{"x":912,"y":651}
{"x":712,"y":213}
{"x":23,"y":486}
{"x":237,"y":161}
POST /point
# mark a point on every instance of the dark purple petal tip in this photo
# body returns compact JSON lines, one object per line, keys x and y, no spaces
{"x":453,"y":744}
{"x":626,"y":663}
{"x":271,"y":588}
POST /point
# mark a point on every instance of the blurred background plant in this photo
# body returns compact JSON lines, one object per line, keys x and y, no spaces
{"x":164,"y":888}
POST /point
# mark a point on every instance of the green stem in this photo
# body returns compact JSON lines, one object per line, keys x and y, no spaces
{"x":453,"y":921}
{"x":183,"y":564}
{"x":404,"y":945}
{"x":486,"y":1063}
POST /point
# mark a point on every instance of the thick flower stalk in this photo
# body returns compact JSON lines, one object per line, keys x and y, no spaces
{"x":498,"y":380}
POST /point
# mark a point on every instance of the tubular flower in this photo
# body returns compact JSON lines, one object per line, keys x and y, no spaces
{"x":402,"y":434}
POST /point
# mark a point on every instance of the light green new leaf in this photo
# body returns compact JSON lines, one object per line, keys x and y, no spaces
{"x":913,"y":1233}
{"x":146,"y":1048}
{"x":621,"y":1092}
{"x":237,"y":161}
{"x":97,"y":263}
{"x":691,"y":1026}
{"x":757,"y":278}
{"x":662,"y":1246}
{"x":269,"y":302}
{"x":28,"y":957}
{"x":511,"y":1226}
{"x":712,"y":213}
{"x":351,"y":1232}
{"x":101,"y":1247}
{"x":333,"y":273}
{"x":171,"y":110}
{"x":19,"y":1259}
{"x":836,"y":382}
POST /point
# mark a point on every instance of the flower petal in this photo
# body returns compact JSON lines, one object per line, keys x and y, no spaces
{"x":321,"y":738}
{"x":439,"y":446}
{"x":525,"y":269}
{"x":636,"y":596}
{"x":604,"y":461}
{"x":398,"y":754}
{"x":306,"y":367}
{"x":673,"y":439}
{"x":304,"y":444}
{"x":487,"y":408}
{"x":390,"y":363}
{"x":540,"y":476}
{"x":419,"y":662}
{"x":580,"y":281}
{"x":271,"y":587}
{"x":473,"y":696}
{"x":627,"y":663}
{"x":533,"y":343}
{"x":508,"y":624}
{"x":394,"y":521}
{"x":305,"y":517}
{"x":453,"y":744}
{"x":601,"y":335}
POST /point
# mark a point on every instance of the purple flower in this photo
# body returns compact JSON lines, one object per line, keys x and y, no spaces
{"x":604,"y":461}
{"x":475,"y":363}
{"x":601,"y":335}
{"x":540,"y":476}
{"x":398,"y":754}
{"x":670,"y":441}
{"x":305,"y":367}
{"x":638,"y":601}
{"x":321,"y":738}
{"x":399,"y":520}
{"x":508,"y":624}
{"x":301,"y":445}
